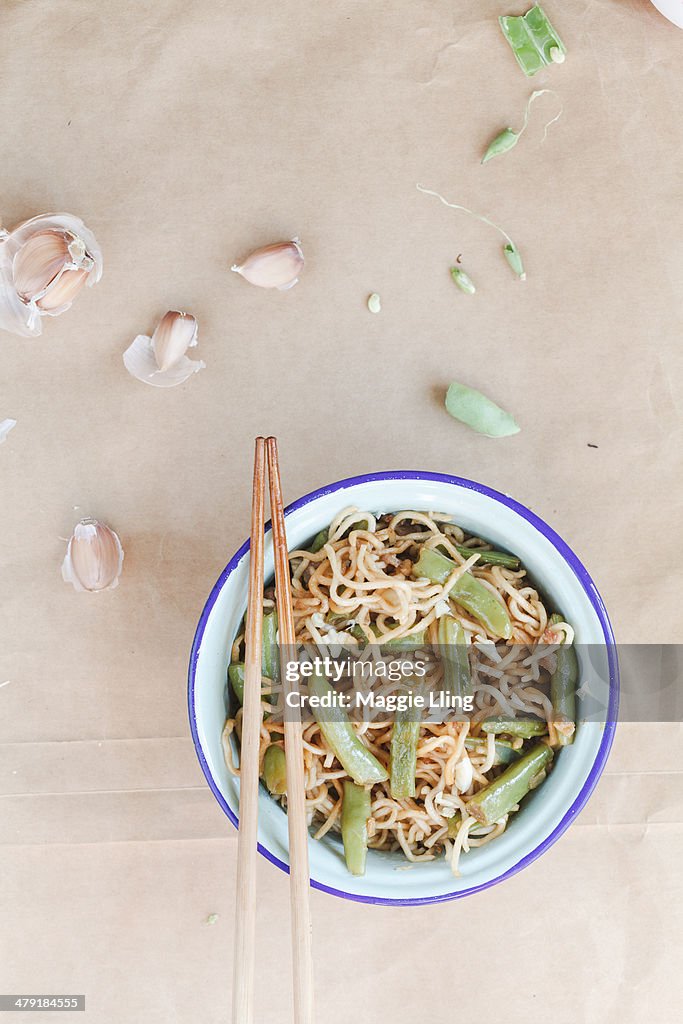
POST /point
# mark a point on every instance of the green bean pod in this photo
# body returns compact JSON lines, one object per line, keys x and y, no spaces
{"x":453,"y":650}
{"x":275,"y":770}
{"x":354,"y":826}
{"x":489,"y":557}
{"x":404,"y":739}
{"x":468,"y":591}
{"x":563,"y":684}
{"x":270,"y":656}
{"x":498,"y":799}
{"x":319,"y":541}
{"x":409,"y":642}
{"x":340,"y":736}
{"x":236,"y":677}
{"x":525,"y":726}
{"x":505,"y":752}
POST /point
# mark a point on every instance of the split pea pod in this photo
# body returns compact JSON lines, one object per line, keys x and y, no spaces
{"x":354,"y":826}
{"x":404,"y":740}
{"x":403,"y":643}
{"x":523,"y":726}
{"x":468,"y":591}
{"x":275,"y":770}
{"x":563,"y":683}
{"x":490,"y":557}
{"x":453,"y":650}
{"x":340,"y":736}
{"x":498,"y":798}
{"x":236,"y":677}
{"x":270,"y":656}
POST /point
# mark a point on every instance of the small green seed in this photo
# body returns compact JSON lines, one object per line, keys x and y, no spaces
{"x":501,"y":144}
{"x":463,"y":280}
{"x":374,"y":303}
{"x":513,"y":257}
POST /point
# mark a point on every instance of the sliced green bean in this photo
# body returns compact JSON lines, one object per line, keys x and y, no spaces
{"x":354,"y":826}
{"x":404,"y":739}
{"x":275,"y":770}
{"x":408,"y":642}
{"x":319,"y":541}
{"x":489,"y":557}
{"x":525,"y":726}
{"x":236,"y":677}
{"x":467,"y":590}
{"x":454,"y":824}
{"x":340,"y":736}
{"x":505,"y":752}
{"x":452,"y":647}
{"x":270,"y":656}
{"x":563,"y":683}
{"x":498,"y":799}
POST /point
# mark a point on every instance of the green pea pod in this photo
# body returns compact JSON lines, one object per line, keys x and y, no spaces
{"x":534,"y":41}
{"x":407,"y":643}
{"x":319,"y":541}
{"x":453,"y":650}
{"x":498,"y":799}
{"x":501,"y":144}
{"x":404,"y":740}
{"x":489,"y":557}
{"x":354,"y":826}
{"x":275,"y":770}
{"x":340,"y":736}
{"x":454,"y":824}
{"x":236,"y":677}
{"x":463,"y":280}
{"x":505,"y":752}
{"x":468,"y":591}
{"x":270,"y":656}
{"x":563,"y":684}
{"x":523,"y":726}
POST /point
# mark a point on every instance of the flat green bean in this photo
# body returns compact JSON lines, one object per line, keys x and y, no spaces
{"x":453,"y":650}
{"x":404,"y":740}
{"x":524,"y":726}
{"x":275,"y":770}
{"x":354,"y":826}
{"x":467,"y":590}
{"x":498,"y":798}
{"x":340,"y":736}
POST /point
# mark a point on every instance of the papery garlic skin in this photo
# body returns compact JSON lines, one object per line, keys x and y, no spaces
{"x":5,"y":427}
{"x":161,"y":360}
{"x":44,"y":264}
{"x":273,"y":266}
{"x":94,"y":557}
{"x":173,"y":335}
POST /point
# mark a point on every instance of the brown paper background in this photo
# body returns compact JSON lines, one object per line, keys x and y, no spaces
{"x":186,"y":134}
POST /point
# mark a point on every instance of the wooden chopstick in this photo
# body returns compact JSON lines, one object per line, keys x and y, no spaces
{"x":245,"y":900}
{"x":302,"y":948}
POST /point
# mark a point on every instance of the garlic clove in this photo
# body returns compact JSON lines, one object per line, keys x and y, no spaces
{"x":94,"y":557}
{"x":39,"y":261}
{"x":173,"y":335}
{"x":273,"y":266}
{"x":62,"y":293}
{"x":463,"y":774}
{"x":140,"y":361}
{"x":5,"y":427}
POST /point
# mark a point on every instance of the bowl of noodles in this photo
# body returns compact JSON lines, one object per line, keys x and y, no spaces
{"x":422,"y":811}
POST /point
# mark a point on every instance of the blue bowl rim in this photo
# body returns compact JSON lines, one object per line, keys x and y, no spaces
{"x":593,"y":595}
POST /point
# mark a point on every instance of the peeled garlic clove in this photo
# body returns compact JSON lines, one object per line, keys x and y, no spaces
{"x":5,"y":427}
{"x":94,"y":557}
{"x":273,"y":266}
{"x":174,"y":334}
{"x":463,"y":774}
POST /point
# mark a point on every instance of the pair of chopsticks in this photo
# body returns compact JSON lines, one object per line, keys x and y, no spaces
{"x":245,"y":919}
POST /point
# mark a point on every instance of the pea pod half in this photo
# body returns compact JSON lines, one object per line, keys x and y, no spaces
{"x":354,"y":826}
{"x":340,"y":736}
{"x":468,"y":591}
{"x":563,"y":683}
{"x":498,"y":799}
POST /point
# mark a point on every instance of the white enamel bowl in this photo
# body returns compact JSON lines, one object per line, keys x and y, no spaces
{"x":546,"y":813}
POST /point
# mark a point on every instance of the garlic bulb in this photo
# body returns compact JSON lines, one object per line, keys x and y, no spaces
{"x":161,"y":360}
{"x":44,"y":264}
{"x":273,"y":266}
{"x":94,"y":557}
{"x":5,"y":427}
